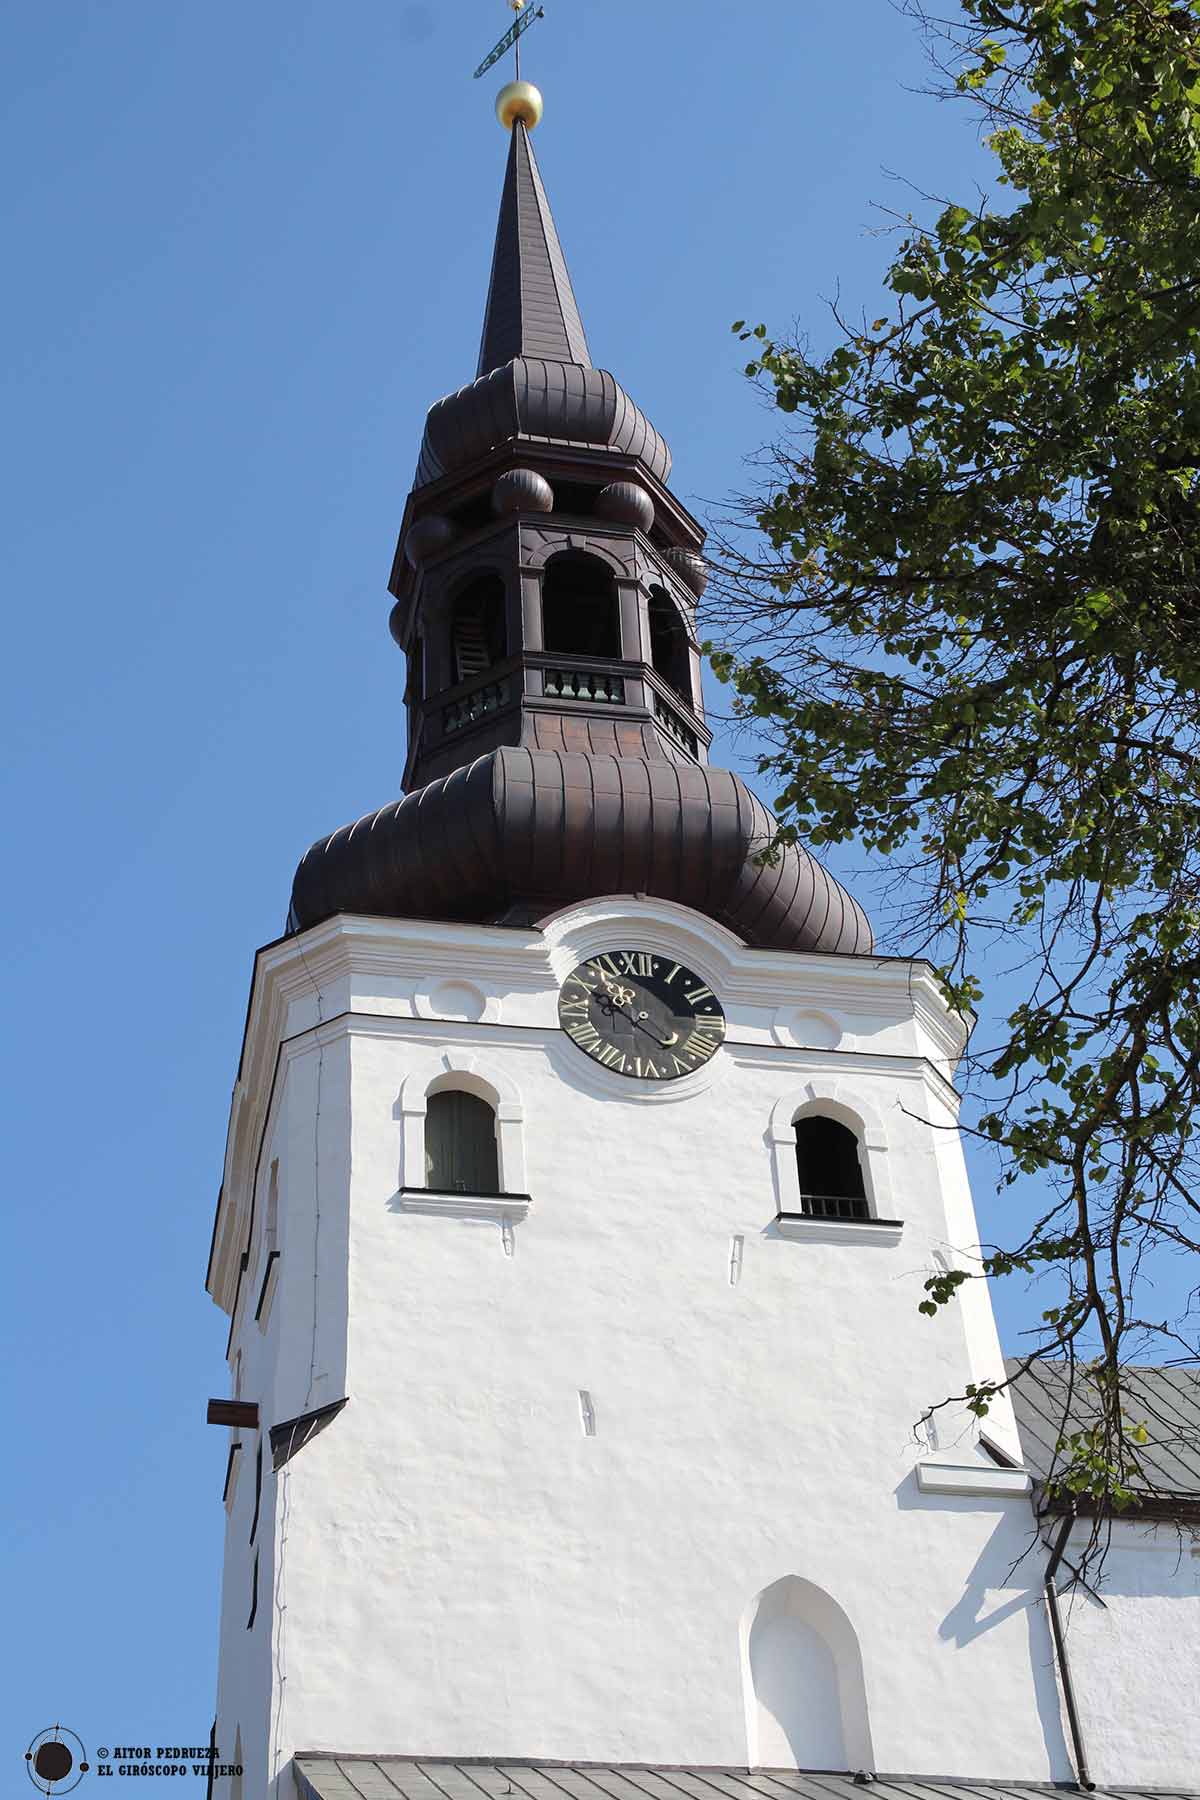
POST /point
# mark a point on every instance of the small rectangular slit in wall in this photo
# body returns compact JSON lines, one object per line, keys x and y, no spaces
{"x":508,"y":1236}
{"x":587,"y":1413}
{"x":736,"y":1247}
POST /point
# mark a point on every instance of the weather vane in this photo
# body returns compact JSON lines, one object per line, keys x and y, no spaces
{"x":512,"y":37}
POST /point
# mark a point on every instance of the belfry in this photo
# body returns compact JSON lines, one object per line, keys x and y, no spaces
{"x":545,"y":585}
{"x":583,"y":1170}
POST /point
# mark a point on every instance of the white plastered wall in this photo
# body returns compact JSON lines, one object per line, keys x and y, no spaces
{"x":1135,"y":1660}
{"x":466,"y":1571}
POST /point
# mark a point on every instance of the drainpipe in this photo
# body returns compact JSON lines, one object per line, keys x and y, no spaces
{"x":1082,"y":1776}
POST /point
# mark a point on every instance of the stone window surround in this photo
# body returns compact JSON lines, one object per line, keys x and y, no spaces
{"x":840,"y":1100}
{"x":472,"y":1074}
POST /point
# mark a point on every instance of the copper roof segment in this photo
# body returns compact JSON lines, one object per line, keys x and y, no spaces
{"x":540,"y":829}
{"x":531,"y":308}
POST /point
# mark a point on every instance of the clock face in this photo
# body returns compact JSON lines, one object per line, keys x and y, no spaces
{"x":641,"y":1014}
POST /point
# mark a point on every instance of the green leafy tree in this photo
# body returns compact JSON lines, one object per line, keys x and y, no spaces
{"x":970,"y":626}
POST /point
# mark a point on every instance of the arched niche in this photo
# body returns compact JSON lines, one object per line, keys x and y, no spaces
{"x":669,"y":654}
{"x":806,"y":1699}
{"x":580,"y":610}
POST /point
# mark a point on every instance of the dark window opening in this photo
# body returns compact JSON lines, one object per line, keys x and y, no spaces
{"x":478,"y":637}
{"x":257,"y":1491}
{"x":460,"y":1145}
{"x":580,"y":615}
{"x":414,"y":691}
{"x":669,"y":645}
{"x":475,"y":513}
{"x":253,"y":1595}
{"x":831,"y":1179}
{"x":574,"y":497}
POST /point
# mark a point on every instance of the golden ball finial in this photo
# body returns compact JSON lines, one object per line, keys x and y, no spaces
{"x":519,"y":100}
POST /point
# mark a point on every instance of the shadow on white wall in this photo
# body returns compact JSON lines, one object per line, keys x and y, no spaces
{"x":806,"y":1700}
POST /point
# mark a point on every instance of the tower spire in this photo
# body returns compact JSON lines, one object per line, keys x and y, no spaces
{"x":531,"y":306}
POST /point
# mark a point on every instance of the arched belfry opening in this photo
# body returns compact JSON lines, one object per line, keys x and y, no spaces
{"x":829,"y":1163}
{"x":806,"y":1697}
{"x":580,"y":611}
{"x":478,"y":630}
{"x":669,"y":644}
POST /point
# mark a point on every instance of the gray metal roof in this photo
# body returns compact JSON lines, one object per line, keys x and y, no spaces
{"x":531,"y":308}
{"x":1166,"y":1401}
{"x":384,"y":1778}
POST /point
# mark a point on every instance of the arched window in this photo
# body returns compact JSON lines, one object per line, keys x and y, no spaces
{"x":668,"y":644}
{"x":831,"y":1178}
{"x":478,"y":637}
{"x":580,"y":615}
{"x":460,"y":1144}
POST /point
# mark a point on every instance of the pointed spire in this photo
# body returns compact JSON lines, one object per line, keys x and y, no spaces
{"x":531,"y":308}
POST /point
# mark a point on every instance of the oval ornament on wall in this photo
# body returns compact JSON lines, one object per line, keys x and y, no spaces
{"x":460,"y":1000}
{"x":805,"y":1030}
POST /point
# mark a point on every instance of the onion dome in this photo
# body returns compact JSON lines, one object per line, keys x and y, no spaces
{"x":524,"y":832}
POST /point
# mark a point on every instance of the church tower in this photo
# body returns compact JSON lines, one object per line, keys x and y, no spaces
{"x":582,"y":1175}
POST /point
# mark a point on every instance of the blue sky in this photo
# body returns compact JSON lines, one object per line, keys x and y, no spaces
{"x":247,"y":246}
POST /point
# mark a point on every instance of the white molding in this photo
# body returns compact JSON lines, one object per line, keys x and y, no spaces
{"x":841,"y":1231}
{"x":497,"y":1207}
{"x":972,"y":1478}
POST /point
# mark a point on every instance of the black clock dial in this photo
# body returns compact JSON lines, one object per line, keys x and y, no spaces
{"x":642,"y":1014}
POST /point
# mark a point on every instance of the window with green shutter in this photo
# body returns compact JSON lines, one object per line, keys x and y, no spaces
{"x":460,"y":1145}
